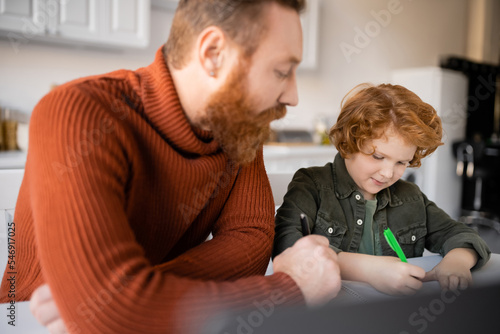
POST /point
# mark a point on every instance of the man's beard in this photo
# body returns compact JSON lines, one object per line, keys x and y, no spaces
{"x":235,"y":125}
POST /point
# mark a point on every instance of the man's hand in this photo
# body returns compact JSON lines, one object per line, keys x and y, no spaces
{"x":453,"y":272}
{"x":313,"y":265}
{"x":45,"y":310}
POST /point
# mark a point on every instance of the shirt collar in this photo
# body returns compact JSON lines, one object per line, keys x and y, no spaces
{"x":343,"y":183}
{"x":163,"y":109}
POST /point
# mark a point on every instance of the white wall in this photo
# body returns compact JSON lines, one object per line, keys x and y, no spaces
{"x":416,"y":34}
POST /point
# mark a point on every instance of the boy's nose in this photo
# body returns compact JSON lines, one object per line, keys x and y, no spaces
{"x":387,"y":173}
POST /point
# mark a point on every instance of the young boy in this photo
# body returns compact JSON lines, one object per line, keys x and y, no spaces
{"x":381,"y":130}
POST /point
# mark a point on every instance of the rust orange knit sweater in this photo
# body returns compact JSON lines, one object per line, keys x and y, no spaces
{"x":119,"y":195}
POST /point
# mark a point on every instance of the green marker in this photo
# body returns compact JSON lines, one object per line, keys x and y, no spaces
{"x":391,"y":240}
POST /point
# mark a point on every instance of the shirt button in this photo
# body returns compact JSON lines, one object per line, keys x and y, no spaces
{"x":413,"y":238}
{"x":359,"y":222}
{"x":358,"y":197}
{"x":330,"y":230}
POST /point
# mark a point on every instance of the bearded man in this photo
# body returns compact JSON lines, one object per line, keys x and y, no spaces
{"x":129,"y":172}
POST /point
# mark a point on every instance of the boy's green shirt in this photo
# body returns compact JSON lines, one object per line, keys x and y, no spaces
{"x":336,"y":208}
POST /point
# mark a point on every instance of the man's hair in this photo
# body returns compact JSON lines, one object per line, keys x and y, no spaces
{"x":368,"y":111}
{"x":241,"y":20}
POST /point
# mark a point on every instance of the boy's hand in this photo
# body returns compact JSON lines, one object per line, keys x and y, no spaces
{"x":389,"y":275}
{"x":453,"y":272}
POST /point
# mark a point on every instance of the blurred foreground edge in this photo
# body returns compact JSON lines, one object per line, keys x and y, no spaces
{"x":475,"y":310}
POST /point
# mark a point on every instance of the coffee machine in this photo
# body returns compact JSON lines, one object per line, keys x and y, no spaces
{"x":478,"y":156}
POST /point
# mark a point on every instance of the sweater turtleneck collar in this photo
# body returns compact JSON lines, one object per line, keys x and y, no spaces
{"x":164,"y":110}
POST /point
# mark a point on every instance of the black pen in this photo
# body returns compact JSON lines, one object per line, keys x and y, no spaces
{"x":305,"y":224}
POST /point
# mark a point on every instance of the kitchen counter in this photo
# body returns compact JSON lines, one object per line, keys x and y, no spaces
{"x":12,"y":159}
{"x":290,"y":158}
{"x":278,"y":158}
{"x":282,"y":161}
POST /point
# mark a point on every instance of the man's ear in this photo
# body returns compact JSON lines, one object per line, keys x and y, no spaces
{"x":210,"y":47}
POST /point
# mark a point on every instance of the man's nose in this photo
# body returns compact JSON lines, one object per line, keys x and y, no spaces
{"x":290,"y":95}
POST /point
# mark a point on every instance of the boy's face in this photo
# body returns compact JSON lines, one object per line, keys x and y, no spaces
{"x":380,"y":170}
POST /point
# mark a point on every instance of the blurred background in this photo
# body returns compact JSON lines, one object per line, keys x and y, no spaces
{"x":347,"y":42}
{"x":446,"y":51}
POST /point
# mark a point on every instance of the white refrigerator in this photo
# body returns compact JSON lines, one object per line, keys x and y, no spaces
{"x":446,"y":91}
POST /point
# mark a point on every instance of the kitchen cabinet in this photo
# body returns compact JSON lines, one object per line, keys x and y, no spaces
{"x":21,"y":16}
{"x":117,"y":22}
{"x":310,"y":27}
{"x":106,"y":23}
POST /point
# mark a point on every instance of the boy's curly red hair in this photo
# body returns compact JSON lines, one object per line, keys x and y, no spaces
{"x":368,"y":111}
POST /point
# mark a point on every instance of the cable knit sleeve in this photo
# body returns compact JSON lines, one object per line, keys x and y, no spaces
{"x":98,"y":273}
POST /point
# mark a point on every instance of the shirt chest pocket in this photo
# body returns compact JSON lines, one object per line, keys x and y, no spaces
{"x":333,"y":231}
{"x":412,"y":239}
